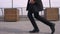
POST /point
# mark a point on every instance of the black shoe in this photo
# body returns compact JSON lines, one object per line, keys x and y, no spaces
{"x":52,"y":28}
{"x":34,"y":31}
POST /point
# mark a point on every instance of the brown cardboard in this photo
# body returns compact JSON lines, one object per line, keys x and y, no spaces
{"x":51,"y":13}
{"x":11,"y":14}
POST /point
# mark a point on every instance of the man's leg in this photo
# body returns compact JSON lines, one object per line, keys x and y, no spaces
{"x":33,"y":22}
{"x":45,"y":21}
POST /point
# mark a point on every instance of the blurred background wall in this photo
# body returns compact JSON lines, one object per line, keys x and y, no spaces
{"x":21,"y":5}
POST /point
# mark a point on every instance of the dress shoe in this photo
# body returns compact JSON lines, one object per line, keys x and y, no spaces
{"x":52,"y":28}
{"x":34,"y":31}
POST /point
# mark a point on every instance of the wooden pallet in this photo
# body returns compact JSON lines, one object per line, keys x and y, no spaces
{"x":11,"y":14}
{"x":51,"y":13}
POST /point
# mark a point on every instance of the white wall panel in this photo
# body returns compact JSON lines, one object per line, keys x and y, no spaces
{"x":19,"y":3}
{"x":45,"y":3}
{"x":24,"y":11}
{"x":55,"y":3}
{"x":5,"y":3}
{"x":0,"y":12}
{"x":20,"y":13}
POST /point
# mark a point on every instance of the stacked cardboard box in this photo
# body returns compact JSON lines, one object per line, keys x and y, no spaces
{"x":51,"y":13}
{"x":11,"y":14}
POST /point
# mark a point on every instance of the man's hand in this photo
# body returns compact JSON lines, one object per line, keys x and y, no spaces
{"x":32,"y":1}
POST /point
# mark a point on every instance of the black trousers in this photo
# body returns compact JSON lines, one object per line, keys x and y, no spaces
{"x":38,"y":17}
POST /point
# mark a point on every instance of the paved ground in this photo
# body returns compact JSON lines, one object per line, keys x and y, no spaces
{"x":23,"y":27}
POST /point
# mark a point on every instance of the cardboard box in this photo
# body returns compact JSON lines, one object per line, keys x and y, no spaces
{"x":51,"y":13}
{"x":11,"y":14}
